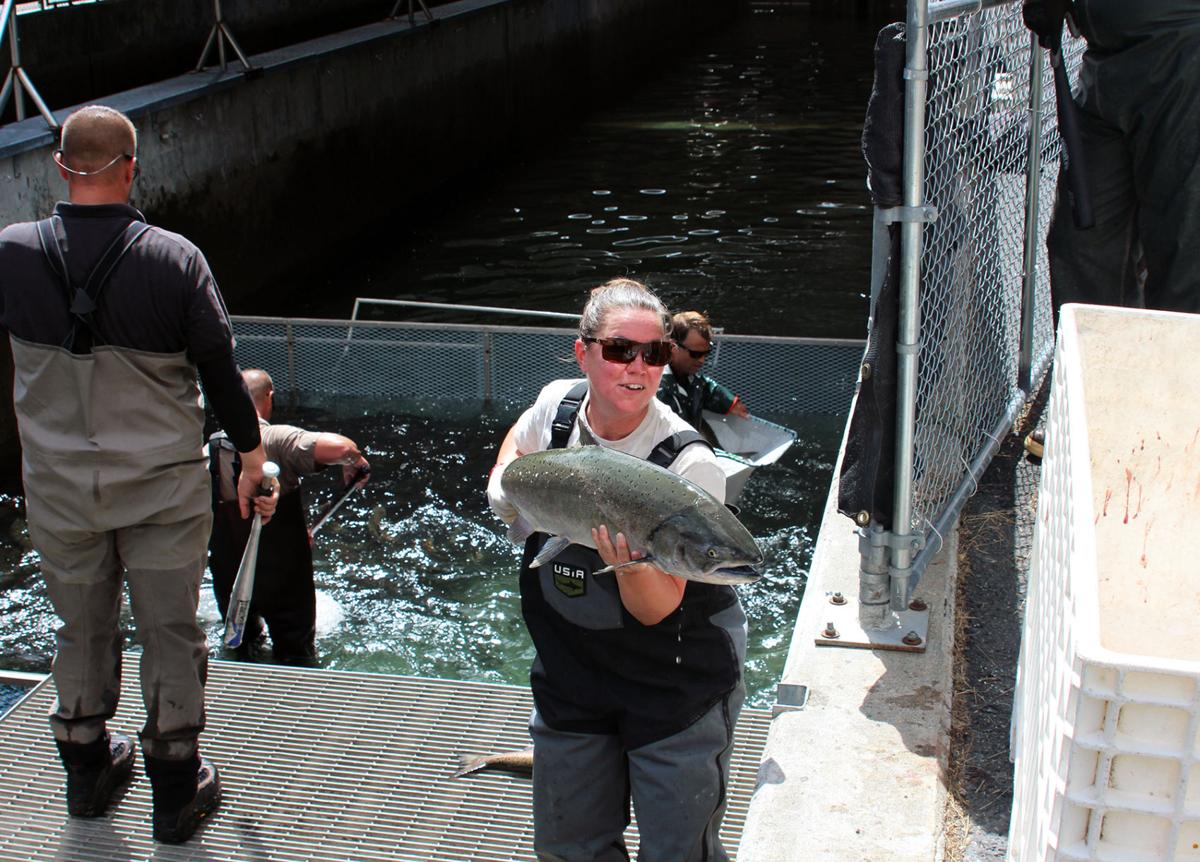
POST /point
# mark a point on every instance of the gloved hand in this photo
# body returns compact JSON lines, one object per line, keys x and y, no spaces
{"x":1045,"y":18}
{"x":497,"y":499}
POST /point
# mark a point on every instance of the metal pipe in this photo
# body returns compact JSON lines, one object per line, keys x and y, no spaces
{"x":36,"y":97}
{"x":873,"y":578}
{"x":944,"y":10}
{"x":1032,"y":216}
{"x":916,"y":73}
{"x":5,"y":14}
{"x":449,"y":306}
{"x":966,"y":488}
{"x":18,"y":78}
{"x":487,"y":368}
{"x":14,"y":48}
{"x":881,"y":249}
{"x":293,"y":387}
{"x":24,"y":679}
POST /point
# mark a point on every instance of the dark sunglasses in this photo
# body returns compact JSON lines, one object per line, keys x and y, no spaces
{"x":695,"y":354}
{"x":624,"y":351}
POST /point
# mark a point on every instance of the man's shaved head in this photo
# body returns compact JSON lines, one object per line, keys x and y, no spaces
{"x":94,"y":136}
{"x":260,"y":386}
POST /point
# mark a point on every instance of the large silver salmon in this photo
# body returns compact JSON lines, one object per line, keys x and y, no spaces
{"x":678,"y":526}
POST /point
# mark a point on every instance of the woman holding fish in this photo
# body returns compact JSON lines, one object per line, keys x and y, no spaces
{"x":625,"y":589}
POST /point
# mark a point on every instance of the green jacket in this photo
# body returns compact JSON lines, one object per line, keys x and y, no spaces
{"x":688,"y":396}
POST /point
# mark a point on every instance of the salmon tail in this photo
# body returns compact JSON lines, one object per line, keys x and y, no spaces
{"x":467,"y":765}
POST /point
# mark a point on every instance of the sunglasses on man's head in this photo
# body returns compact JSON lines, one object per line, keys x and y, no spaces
{"x":695,"y":354}
{"x":624,"y":351}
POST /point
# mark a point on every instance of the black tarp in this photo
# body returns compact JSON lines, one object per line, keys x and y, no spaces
{"x":868,"y":465}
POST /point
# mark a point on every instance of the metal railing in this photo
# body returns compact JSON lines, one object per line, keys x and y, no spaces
{"x":17,"y":83}
{"x":975,"y":332}
{"x":482,"y":363}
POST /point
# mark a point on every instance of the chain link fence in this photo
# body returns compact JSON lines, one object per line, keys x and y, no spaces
{"x":977,"y":157}
{"x":510,"y":364}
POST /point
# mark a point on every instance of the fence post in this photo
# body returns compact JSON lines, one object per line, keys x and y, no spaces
{"x":291,"y":362}
{"x":488,"y":394}
{"x":916,"y":78}
{"x":1032,"y":217}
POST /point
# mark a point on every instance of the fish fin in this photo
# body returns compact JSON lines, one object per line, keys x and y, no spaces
{"x":647,"y":559}
{"x":519,"y":530}
{"x":586,"y":437}
{"x":554,"y":546}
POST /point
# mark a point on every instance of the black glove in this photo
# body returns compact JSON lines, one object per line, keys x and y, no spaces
{"x":1045,"y":18}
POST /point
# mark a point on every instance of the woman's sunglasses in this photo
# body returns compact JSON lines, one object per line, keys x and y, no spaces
{"x":624,"y":351}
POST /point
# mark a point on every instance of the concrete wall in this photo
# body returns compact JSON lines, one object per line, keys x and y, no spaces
{"x":271,"y":173}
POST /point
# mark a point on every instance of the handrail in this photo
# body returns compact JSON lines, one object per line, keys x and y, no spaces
{"x":944,"y":10}
{"x":449,"y":306}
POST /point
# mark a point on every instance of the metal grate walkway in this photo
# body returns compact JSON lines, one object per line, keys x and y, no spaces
{"x":317,"y":765}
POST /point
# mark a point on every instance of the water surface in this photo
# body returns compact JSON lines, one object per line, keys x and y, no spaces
{"x":732,"y":182}
{"x":415,"y":575}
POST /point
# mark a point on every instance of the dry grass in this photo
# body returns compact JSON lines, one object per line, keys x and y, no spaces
{"x":956,"y":827}
{"x":976,"y":530}
{"x":980,"y":529}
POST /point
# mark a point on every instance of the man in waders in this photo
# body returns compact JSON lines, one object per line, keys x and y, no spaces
{"x":1138,"y":112}
{"x":284,"y":596}
{"x":111,"y":321}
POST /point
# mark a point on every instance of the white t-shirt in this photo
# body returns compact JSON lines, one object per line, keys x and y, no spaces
{"x":697,"y":463}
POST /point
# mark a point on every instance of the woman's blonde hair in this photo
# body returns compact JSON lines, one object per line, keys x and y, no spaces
{"x":619,"y":293}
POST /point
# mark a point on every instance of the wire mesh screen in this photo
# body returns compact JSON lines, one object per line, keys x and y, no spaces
{"x":511,"y":364}
{"x":976,"y":161}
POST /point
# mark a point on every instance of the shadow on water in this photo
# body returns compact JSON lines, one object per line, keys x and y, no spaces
{"x":414,"y":574}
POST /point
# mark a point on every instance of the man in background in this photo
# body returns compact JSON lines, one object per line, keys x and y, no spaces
{"x":284,"y":595}
{"x":683,"y":388}
{"x":113,"y":323}
{"x":1139,"y":122}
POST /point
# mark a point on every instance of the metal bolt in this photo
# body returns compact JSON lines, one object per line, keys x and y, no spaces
{"x":867,"y":371}
{"x":917,"y":605}
{"x":830,"y":632}
{"x":837,"y":599}
{"x":912,"y":639}
{"x":862,"y":518}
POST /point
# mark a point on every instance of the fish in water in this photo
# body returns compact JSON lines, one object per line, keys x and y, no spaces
{"x":678,"y":526}
{"x":519,"y":762}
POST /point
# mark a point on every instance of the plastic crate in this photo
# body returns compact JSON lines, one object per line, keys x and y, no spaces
{"x":1106,"y":725}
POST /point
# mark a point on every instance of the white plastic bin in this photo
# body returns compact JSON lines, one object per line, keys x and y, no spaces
{"x":1106,"y":724}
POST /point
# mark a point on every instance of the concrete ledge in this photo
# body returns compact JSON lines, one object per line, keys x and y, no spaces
{"x":857,"y":773}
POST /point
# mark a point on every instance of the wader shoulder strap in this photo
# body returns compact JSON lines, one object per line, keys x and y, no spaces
{"x":564,"y":419}
{"x":83,"y":302}
{"x":668,"y":450}
{"x":219,"y":440}
{"x":664,"y":453}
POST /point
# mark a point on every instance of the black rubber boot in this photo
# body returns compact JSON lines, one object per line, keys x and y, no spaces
{"x":185,"y":792}
{"x":94,"y":772}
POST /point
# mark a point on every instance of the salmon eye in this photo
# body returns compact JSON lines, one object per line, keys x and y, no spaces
{"x":712,"y":553}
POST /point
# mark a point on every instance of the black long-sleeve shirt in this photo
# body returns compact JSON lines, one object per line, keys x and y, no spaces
{"x":163,"y":299}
